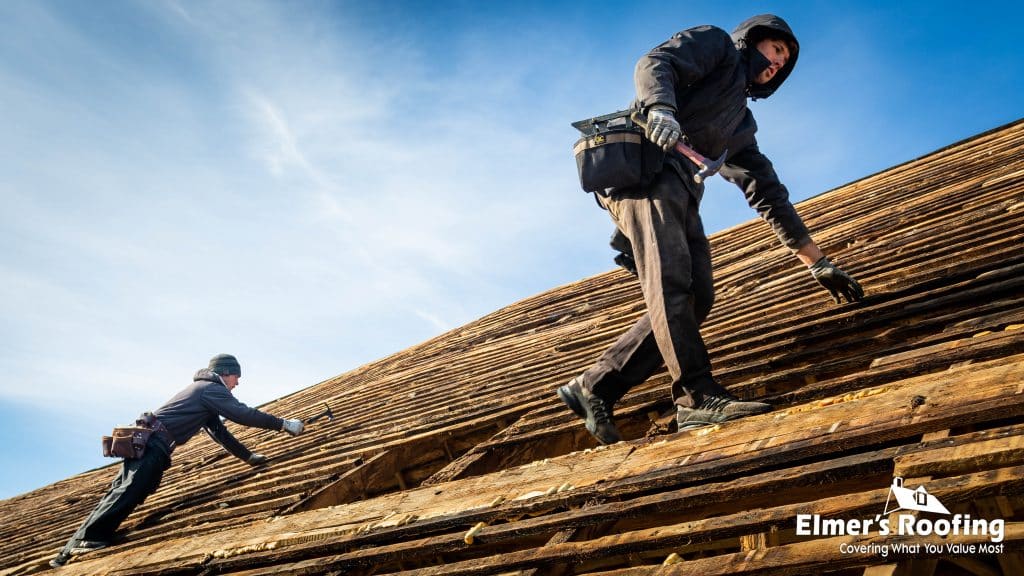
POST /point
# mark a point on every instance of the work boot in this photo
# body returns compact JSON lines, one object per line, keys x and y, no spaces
{"x":60,"y":560}
{"x":595,"y":412}
{"x":86,"y":546}
{"x":715,"y":409}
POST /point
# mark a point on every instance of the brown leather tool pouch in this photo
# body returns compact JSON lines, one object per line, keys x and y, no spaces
{"x":127,"y":442}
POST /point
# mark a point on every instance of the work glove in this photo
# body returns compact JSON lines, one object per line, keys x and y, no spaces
{"x":627,"y":262}
{"x":293,"y":427}
{"x":256,"y":460}
{"x":622,"y":245}
{"x":662,"y":127}
{"x":836,"y":281}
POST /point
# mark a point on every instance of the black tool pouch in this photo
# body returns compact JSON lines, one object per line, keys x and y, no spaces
{"x":614,"y":153}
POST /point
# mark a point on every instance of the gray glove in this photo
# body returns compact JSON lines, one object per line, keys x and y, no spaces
{"x":256,"y":460}
{"x":836,"y":281}
{"x":662,"y":127}
{"x":293,"y":427}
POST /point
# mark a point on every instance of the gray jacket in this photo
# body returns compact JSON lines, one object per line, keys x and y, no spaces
{"x":202,"y":404}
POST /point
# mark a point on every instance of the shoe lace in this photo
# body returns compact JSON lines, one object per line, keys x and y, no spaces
{"x":716,"y":403}
{"x":601,"y":411}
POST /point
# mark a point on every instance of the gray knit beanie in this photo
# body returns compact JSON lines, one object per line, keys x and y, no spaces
{"x":225,"y":365}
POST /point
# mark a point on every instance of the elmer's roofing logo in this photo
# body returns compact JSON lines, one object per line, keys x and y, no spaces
{"x":907,"y":499}
{"x":955,"y":527}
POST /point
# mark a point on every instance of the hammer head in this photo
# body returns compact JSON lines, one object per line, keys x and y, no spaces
{"x":327,"y":412}
{"x":709,"y":168}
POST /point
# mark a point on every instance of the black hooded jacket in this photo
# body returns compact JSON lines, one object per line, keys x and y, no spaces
{"x":706,"y":75}
{"x":201,"y":405}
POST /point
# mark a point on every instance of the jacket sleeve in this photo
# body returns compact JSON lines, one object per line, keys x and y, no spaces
{"x":683,"y":60}
{"x":219,"y":399}
{"x":216,"y":429}
{"x":753,"y":173}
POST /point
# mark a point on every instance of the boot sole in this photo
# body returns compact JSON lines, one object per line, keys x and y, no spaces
{"x":698,"y":424}
{"x":84,"y":551}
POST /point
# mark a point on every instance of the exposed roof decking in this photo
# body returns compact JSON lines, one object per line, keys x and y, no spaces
{"x":936,"y":243}
{"x":726,"y":468}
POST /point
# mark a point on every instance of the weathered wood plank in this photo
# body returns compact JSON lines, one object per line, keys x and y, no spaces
{"x":945,"y":462}
{"x":740,"y":490}
{"x":850,"y":505}
{"x":912,"y":567}
{"x":976,"y":566}
{"x":816,"y":555}
{"x":960,"y":199}
{"x":1000,"y":507}
{"x":993,"y":392}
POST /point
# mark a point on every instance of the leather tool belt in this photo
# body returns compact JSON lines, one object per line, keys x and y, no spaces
{"x":130,"y":441}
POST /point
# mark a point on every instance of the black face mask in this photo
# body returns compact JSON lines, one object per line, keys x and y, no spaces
{"x":756,"y":63}
{"x":746,"y":37}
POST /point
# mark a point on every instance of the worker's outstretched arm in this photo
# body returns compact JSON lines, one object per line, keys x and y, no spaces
{"x":753,"y":173}
{"x":837,"y":282}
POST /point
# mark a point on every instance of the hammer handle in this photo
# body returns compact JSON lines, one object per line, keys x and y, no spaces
{"x":698,"y":159}
{"x":320,"y":415}
{"x":692,"y":154}
{"x":702,"y":163}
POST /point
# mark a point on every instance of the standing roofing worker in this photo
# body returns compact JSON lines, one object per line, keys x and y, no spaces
{"x":695,"y":87}
{"x":201,"y":405}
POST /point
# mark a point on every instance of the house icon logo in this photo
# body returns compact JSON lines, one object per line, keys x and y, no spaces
{"x":907,"y":499}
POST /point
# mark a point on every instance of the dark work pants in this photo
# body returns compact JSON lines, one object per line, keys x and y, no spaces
{"x":673,"y":261}
{"x":138,"y":479}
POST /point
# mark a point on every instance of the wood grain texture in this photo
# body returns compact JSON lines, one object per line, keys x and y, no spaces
{"x":465,"y":428}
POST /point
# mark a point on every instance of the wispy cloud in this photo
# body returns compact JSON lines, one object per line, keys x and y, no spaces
{"x":315,"y":185}
{"x":299,"y":190}
{"x":282,"y":153}
{"x":439,"y":324}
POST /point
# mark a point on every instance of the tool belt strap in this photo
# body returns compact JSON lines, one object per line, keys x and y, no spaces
{"x":602,"y":139}
{"x":149,"y":420}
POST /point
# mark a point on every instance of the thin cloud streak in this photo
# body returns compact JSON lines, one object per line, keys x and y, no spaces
{"x":372,"y":238}
{"x":283,"y":151}
{"x":313,"y":186}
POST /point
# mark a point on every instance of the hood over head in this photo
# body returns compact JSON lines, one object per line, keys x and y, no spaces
{"x":747,"y":35}
{"x":207,"y":375}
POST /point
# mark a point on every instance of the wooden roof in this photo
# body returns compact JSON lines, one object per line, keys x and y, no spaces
{"x":923,"y":380}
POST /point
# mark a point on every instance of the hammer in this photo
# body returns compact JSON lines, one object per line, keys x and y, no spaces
{"x":706,"y":167}
{"x":327,"y":412}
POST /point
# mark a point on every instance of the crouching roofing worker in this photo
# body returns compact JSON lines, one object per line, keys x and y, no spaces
{"x":695,"y":87}
{"x":199,"y":406}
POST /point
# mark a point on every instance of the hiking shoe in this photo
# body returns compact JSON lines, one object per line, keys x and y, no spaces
{"x":60,"y":560}
{"x":595,"y":412}
{"x":715,"y":409}
{"x":86,"y":546}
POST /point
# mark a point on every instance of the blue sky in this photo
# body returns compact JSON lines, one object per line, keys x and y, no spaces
{"x":315,"y":185}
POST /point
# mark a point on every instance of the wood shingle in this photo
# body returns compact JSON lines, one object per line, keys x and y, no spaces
{"x":455,"y":457}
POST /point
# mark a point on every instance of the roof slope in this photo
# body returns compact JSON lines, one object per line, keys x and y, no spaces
{"x":924,"y":379}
